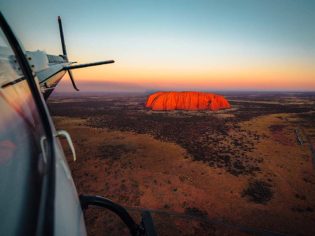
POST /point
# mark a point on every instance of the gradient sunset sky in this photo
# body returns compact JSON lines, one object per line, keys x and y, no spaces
{"x":178,"y":44}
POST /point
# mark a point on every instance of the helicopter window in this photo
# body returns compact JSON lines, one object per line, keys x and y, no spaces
{"x":20,"y":127}
{"x":10,"y":71}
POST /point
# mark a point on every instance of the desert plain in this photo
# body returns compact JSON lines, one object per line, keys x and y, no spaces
{"x":248,"y":170}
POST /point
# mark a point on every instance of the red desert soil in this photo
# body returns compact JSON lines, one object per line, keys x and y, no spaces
{"x":186,"y":101}
{"x":189,"y":197}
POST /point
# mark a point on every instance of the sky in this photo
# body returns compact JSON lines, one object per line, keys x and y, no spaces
{"x":177,"y":44}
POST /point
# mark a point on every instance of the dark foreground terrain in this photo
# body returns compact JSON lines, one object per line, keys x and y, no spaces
{"x":247,"y":170}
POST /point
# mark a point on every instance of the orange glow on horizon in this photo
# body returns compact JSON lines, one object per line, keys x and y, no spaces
{"x":274,"y":77}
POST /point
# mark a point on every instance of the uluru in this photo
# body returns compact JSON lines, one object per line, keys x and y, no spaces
{"x":160,"y":101}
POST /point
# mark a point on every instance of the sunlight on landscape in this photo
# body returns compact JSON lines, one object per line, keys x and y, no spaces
{"x":206,"y":119}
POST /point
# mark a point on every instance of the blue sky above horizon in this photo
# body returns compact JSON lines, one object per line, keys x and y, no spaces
{"x":226,"y":44}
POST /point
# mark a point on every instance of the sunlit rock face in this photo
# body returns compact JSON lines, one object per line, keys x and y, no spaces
{"x":160,"y":101}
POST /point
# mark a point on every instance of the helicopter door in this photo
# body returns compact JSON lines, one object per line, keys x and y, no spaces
{"x":38,"y":196}
{"x":22,"y":156}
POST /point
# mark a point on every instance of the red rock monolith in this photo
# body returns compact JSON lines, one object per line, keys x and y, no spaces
{"x":160,"y":101}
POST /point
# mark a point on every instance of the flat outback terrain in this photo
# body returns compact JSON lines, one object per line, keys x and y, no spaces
{"x":248,"y":170}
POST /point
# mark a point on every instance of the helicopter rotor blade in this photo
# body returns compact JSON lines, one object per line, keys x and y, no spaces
{"x":63,"y":44}
{"x":77,"y":66}
{"x":72,"y":80}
